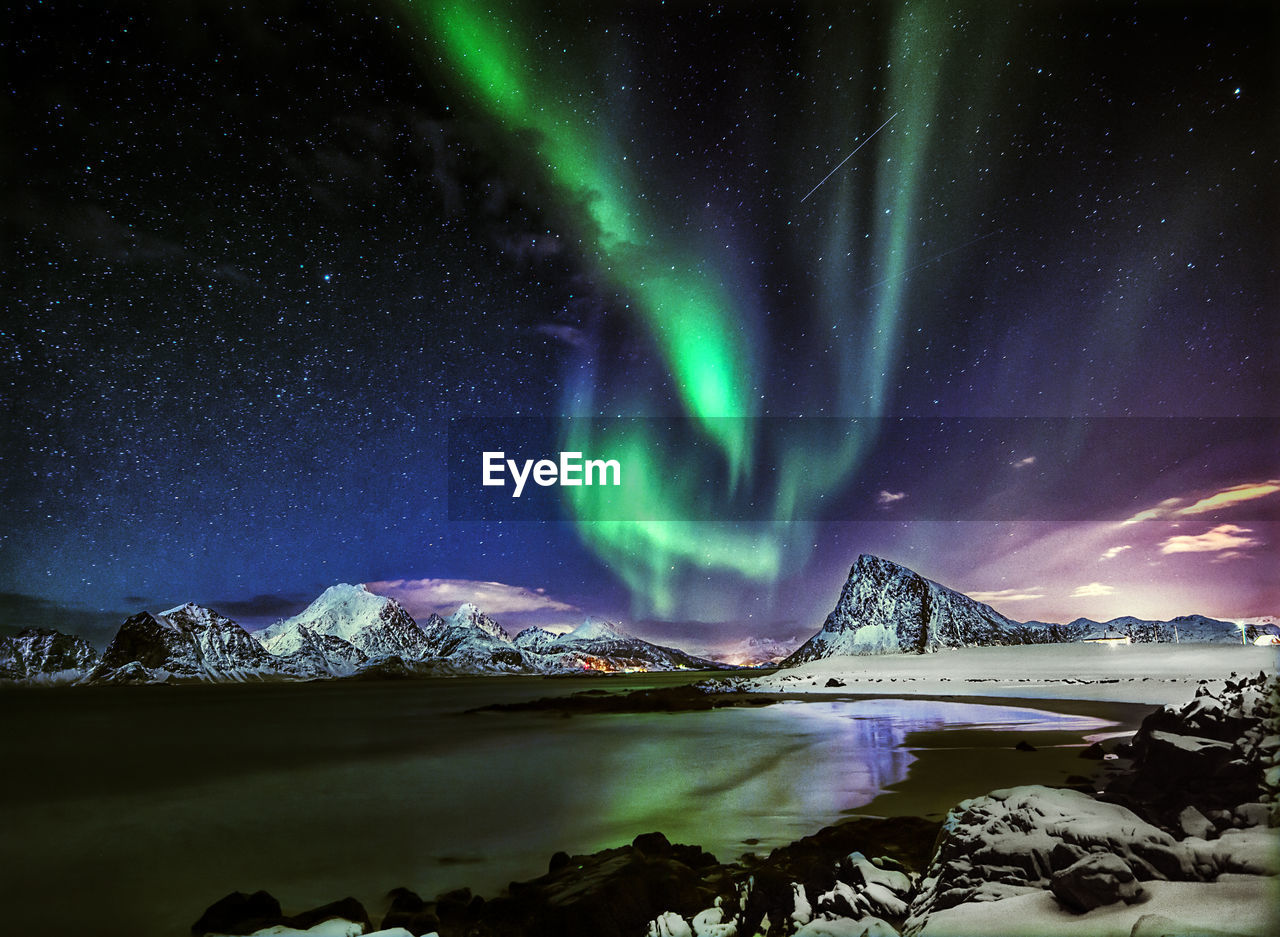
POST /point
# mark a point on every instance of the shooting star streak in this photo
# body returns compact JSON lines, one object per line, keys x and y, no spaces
{"x":850,"y":156}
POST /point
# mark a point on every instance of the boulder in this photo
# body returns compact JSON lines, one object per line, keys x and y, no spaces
{"x":348,"y":909}
{"x":411,"y":913}
{"x":238,"y":913}
{"x":1096,"y":880}
{"x":1253,"y":814}
{"x":1194,"y":823}
{"x":1015,"y":841}
{"x":1093,"y":752}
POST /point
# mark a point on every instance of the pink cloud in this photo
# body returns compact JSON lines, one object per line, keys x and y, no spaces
{"x":1007,"y":595}
{"x":1222,"y":537}
{"x":1092,"y":589}
{"x":423,"y":596}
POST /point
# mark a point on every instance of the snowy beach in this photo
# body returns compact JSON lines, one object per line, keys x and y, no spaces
{"x":1136,"y":673}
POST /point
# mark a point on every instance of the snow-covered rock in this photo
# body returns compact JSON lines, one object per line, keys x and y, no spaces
{"x":1013,"y":841}
{"x":1194,"y":823}
{"x":1233,"y":906}
{"x":711,"y":923}
{"x":669,"y":924}
{"x":1211,"y":753}
{"x":1095,"y":880}
{"x":377,"y":625}
{"x":45,"y":655}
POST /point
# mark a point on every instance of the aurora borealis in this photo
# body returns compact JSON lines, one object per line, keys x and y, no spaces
{"x":709,"y":339}
{"x":260,"y":260}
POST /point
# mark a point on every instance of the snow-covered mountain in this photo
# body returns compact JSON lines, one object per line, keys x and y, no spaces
{"x":470,"y":616}
{"x":597,"y":644}
{"x":45,"y":655}
{"x":1185,"y":629}
{"x":472,"y":642}
{"x":185,"y":643}
{"x":885,"y":608}
{"x":306,"y":653}
{"x":536,"y":640}
{"x":376,"y":625}
{"x":594,"y":630}
{"x":346,"y":632}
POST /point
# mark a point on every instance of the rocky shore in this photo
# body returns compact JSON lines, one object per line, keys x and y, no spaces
{"x":1180,"y":839}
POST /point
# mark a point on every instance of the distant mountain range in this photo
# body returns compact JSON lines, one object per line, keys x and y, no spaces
{"x":346,"y":632}
{"x":350,"y":632}
{"x":885,"y":608}
{"x":756,"y":652}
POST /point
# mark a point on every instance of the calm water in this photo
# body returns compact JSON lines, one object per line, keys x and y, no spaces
{"x":129,"y":810}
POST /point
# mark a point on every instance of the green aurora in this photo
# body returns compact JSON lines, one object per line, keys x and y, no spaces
{"x":700,"y":328}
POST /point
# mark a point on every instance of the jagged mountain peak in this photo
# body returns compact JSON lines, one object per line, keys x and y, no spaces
{"x":376,"y":624}
{"x":344,"y":590}
{"x":886,"y":608}
{"x":866,"y":561}
{"x":192,"y":615}
{"x":189,"y":641}
{"x":535,"y":639}
{"x":469,"y":615}
{"x":344,"y":594}
{"x":37,"y":653}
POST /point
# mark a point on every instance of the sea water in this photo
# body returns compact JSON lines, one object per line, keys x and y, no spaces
{"x":128,"y":810}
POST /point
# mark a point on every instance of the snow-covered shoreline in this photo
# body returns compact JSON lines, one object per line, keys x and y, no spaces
{"x":1136,"y":673}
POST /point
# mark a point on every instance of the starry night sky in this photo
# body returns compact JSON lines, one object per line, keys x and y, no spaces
{"x":257,"y":259}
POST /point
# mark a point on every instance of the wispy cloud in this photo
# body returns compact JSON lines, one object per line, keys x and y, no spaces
{"x":1092,"y":589}
{"x":1007,"y":595}
{"x":423,"y":596}
{"x":1115,"y":551}
{"x":1163,"y":509}
{"x":1229,"y":496}
{"x":1222,"y":537}
{"x":885,"y":498}
{"x":1228,"y":555}
{"x":1205,"y":503}
{"x":1024,"y":463}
